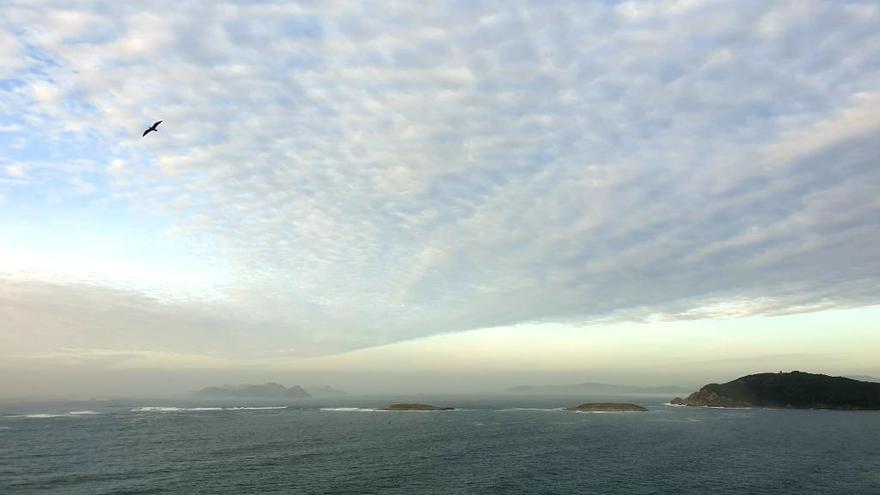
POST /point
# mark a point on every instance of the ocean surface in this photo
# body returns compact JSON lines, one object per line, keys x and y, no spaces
{"x":490,"y":445}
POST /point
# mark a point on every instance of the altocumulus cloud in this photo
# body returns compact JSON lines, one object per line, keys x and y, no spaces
{"x":379,"y":171}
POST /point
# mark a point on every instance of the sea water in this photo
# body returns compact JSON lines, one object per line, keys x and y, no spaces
{"x":490,"y":445}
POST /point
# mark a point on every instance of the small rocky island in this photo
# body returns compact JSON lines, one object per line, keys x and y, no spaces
{"x":606,"y":407}
{"x":415,"y":407}
{"x":270,"y":389}
{"x":795,"y":390}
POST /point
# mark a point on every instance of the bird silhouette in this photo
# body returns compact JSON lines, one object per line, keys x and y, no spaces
{"x":152,"y":128}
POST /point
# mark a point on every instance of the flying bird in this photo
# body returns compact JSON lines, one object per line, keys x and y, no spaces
{"x":152,"y":128}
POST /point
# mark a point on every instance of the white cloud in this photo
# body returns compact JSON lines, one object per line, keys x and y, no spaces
{"x":381,"y":172}
{"x":860,"y":118}
{"x":12,"y":57}
{"x":82,"y":187}
{"x":17,"y":170}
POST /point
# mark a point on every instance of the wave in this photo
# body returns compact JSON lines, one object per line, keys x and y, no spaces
{"x":510,"y":409}
{"x":198,"y":409}
{"x":672,"y":420}
{"x":173,"y":409}
{"x":351,"y":409}
{"x":53,"y":415}
{"x":607,"y":412}
{"x":254,"y":408}
{"x":39,"y":415}
{"x":373,"y":409}
{"x":706,"y":407}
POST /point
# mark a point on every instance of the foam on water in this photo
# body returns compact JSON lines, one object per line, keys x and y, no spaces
{"x":510,"y":409}
{"x":38,"y":415}
{"x":52,"y":415}
{"x":608,"y":412}
{"x":256,"y":408}
{"x":371,"y":409}
{"x":301,"y":451}
{"x":166,"y":409}
{"x":682,"y":420}
{"x":173,"y":409}
{"x":351,"y":409}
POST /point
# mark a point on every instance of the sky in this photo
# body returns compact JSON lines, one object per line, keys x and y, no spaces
{"x":459,"y":195}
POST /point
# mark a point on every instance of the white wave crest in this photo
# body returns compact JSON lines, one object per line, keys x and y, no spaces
{"x":510,"y":409}
{"x":38,"y":415}
{"x":173,"y":409}
{"x":167,"y":409}
{"x":350,"y":409}
{"x":53,"y":415}
{"x":255,"y":408}
{"x":605,"y":412}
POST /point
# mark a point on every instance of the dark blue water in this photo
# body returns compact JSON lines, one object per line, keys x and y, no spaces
{"x":486,"y":448}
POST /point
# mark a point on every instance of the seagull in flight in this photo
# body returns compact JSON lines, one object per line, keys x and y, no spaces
{"x":152,"y":128}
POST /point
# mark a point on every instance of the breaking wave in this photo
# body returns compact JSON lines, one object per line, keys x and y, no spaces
{"x":167,"y":409}
{"x":606,"y":412}
{"x":511,"y":409}
{"x":351,"y":409}
{"x":173,"y":409}
{"x":254,"y":408}
{"x":53,"y":415}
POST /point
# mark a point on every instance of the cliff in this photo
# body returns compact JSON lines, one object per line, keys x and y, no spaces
{"x":796,"y":390}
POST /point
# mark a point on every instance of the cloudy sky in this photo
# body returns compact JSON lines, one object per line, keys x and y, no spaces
{"x":478,"y":185}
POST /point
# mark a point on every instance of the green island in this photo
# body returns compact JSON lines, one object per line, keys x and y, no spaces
{"x":794,"y":390}
{"x":606,"y":406}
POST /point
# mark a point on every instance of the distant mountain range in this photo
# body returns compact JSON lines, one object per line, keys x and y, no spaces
{"x":595,"y":388}
{"x":270,"y":389}
{"x":325,"y":391}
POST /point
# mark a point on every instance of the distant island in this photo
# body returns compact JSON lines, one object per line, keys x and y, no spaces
{"x":270,"y":389}
{"x":325,"y":391}
{"x":595,"y":388}
{"x":415,"y":407}
{"x":795,"y":390}
{"x":606,"y":407}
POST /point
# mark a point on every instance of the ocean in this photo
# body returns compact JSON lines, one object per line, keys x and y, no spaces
{"x":490,"y":445}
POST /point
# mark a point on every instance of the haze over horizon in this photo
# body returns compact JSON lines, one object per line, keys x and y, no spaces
{"x":467,"y":196}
